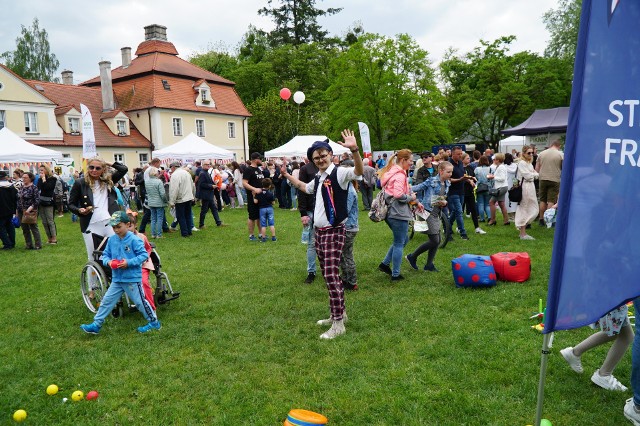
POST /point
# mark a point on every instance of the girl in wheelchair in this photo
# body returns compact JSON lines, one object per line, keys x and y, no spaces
{"x":124,"y":254}
{"x":147,"y":266}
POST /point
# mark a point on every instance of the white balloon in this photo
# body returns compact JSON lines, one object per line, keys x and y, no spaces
{"x":298,"y":97}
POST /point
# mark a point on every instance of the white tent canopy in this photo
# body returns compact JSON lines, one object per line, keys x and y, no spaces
{"x":192,"y":148}
{"x":512,"y":142}
{"x":297,"y":147}
{"x":14,"y":149}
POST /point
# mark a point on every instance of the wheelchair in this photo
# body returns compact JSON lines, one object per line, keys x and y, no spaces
{"x":96,"y":278}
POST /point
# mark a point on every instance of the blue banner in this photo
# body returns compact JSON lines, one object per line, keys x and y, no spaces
{"x":595,"y":265}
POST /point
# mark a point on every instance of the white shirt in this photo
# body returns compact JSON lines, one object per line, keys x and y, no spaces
{"x":344,"y":175}
{"x":100,"y":203}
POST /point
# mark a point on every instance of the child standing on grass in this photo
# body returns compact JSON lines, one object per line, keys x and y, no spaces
{"x":147,"y":266}
{"x":347,"y":262}
{"x":125,"y":255}
{"x":264,"y":200}
{"x":615,"y":327}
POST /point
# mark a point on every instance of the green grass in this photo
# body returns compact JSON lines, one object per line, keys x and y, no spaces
{"x":240,"y":346}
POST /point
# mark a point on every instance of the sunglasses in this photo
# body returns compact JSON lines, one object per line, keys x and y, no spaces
{"x":97,"y":168}
{"x":530,"y":153}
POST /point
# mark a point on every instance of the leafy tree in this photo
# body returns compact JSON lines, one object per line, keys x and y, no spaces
{"x":563,"y":23}
{"x":254,"y":45}
{"x":216,"y":60}
{"x":390,"y":85}
{"x":296,"y":21}
{"x":32,"y":58}
{"x":488,"y":89}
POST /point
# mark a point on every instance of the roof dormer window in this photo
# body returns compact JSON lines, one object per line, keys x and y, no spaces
{"x":204,"y":95}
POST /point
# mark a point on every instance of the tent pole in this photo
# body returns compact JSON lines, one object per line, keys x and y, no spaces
{"x":543,"y":375}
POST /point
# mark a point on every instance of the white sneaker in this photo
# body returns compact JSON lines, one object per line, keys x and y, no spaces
{"x":194,"y":229}
{"x":607,"y":382}
{"x":337,"y":328}
{"x":574,"y":361}
{"x":527,"y":237}
{"x":631,"y":413}
{"x":329,"y":321}
{"x":480,"y":231}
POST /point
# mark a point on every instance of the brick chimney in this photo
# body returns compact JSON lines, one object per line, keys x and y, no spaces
{"x":155,"y":32}
{"x":126,"y":56}
{"x":106,"y":86}
{"x":67,"y":77}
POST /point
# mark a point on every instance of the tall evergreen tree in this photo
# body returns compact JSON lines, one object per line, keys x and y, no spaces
{"x":32,"y":58}
{"x":296,"y":21}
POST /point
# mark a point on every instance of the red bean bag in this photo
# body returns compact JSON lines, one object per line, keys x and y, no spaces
{"x":514,"y":267}
{"x":472,"y":270}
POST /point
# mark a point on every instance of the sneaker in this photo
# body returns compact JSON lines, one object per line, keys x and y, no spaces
{"x":337,"y":328}
{"x":574,"y":361}
{"x":155,"y":325}
{"x":194,"y":229}
{"x":464,"y":237}
{"x":274,"y":239}
{"x":631,"y":413}
{"x":310,"y":278}
{"x":607,"y":382}
{"x":329,"y":321}
{"x":412,"y":261}
{"x":480,"y":231}
{"x":351,"y":287}
{"x":172,"y":230}
{"x":398,"y":278}
{"x":527,"y":237}
{"x":384,"y":268}
{"x":92,"y":328}
{"x":541,"y":222}
{"x":431,"y":268}
{"x":252,"y":238}
{"x":263,"y":240}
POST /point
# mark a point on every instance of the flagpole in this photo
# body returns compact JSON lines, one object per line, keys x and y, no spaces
{"x":543,"y":376}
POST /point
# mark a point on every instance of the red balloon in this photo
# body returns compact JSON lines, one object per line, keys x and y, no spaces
{"x":285,"y":93}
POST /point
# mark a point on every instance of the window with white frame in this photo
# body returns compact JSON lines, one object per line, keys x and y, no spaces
{"x":177,"y":127}
{"x":74,"y":125}
{"x":119,"y":158}
{"x":232,"y":130}
{"x":200,"y":127}
{"x":31,"y":122}
{"x":204,"y":95}
{"x":122,"y":127}
{"x":144,"y":159}
{"x":2,"y":118}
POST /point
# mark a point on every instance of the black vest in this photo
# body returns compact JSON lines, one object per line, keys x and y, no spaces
{"x":339,"y":197}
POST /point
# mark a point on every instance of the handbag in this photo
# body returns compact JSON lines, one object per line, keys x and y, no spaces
{"x":46,"y":201}
{"x":30,"y":218}
{"x":494,"y":192}
{"x":482,"y":187}
{"x":515,"y":193}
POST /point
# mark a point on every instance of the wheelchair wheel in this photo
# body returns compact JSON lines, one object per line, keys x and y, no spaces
{"x":164,"y":292}
{"x":445,"y":230}
{"x":93,"y":284}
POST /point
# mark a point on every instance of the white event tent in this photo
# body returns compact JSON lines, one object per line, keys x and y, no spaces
{"x":14,"y":149}
{"x":192,"y":148}
{"x":297,"y":147}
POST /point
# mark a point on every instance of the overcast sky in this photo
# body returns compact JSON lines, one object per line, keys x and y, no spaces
{"x":85,"y":32}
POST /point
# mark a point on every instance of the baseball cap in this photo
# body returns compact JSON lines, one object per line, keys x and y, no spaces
{"x":256,"y":156}
{"x":118,"y":217}
{"x":174,"y":164}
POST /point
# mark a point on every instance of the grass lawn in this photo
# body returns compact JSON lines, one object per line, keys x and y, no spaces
{"x":241,"y":347}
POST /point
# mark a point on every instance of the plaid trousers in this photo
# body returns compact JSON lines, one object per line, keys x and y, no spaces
{"x":329,"y":244}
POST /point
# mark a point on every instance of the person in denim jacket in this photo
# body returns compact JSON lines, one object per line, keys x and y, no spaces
{"x":434,"y":197}
{"x":347,"y":262}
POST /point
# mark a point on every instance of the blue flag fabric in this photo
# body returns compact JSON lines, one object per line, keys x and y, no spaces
{"x":595,"y":265}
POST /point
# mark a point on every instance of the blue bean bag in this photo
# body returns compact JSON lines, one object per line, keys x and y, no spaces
{"x":472,"y":270}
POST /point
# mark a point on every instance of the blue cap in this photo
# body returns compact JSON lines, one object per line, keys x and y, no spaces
{"x":318,"y":145}
{"x":118,"y":217}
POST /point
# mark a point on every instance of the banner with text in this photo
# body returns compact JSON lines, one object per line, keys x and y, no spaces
{"x":594,"y":266}
{"x":364,"y":137}
{"x":88,"y":138}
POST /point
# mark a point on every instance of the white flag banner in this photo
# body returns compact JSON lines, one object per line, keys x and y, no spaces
{"x":88,"y":137}
{"x":364,"y":136}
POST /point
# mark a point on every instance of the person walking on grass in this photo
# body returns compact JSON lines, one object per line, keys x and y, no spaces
{"x":527,"y":209}
{"x":181,"y":195}
{"x":330,"y":188}
{"x":498,"y":178}
{"x":46,"y":186}
{"x":615,"y":327}
{"x":434,"y":199}
{"x":206,"y":187}
{"x":456,"y":193}
{"x":398,"y":195}
{"x":124,"y":254}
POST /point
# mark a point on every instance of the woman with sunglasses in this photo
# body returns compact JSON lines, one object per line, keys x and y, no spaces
{"x":527,"y":210}
{"x":94,"y":199}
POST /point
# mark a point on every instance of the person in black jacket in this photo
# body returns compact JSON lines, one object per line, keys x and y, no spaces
{"x":94,"y":200}
{"x":206,"y":191}
{"x":47,"y":186}
{"x":8,"y":207}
